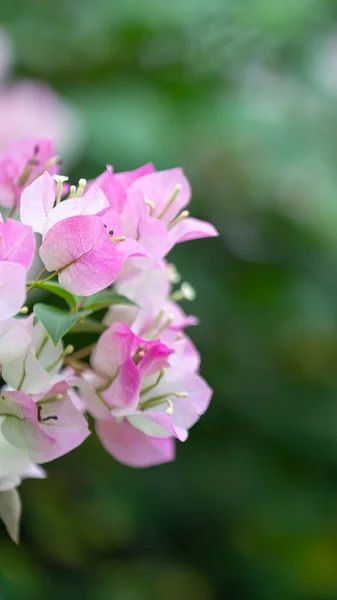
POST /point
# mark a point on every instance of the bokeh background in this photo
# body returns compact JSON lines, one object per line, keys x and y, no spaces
{"x":243,"y":95}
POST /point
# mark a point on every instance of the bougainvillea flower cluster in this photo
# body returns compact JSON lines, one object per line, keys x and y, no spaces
{"x":104,"y":273}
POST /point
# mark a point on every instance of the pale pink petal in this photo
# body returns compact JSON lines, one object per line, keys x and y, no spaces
{"x":9,"y":191}
{"x":189,"y":229}
{"x":81,"y":249}
{"x":180,"y":320}
{"x":132,"y":447}
{"x":186,"y":358}
{"x":13,"y":288}
{"x":17,"y":243}
{"x":89,"y":398}
{"x":34,"y":472}
{"x":69,"y":430}
{"x":20,"y":426}
{"x":159,"y":187}
{"x":26,"y":372}
{"x":118,"y":312}
{"x":112,"y":350}
{"x":157,"y":424}
{"x":126,"y":178}
{"x":186,"y":411}
{"x":14,"y":339}
{"x":112,"y":188}
{"x":87,"y":205}
{"x":37,"y":201}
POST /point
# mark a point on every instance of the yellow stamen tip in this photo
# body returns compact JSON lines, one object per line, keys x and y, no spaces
{"x":121,"y":238}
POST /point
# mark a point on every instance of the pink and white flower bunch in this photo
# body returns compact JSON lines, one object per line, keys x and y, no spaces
{"x":104,"y":247}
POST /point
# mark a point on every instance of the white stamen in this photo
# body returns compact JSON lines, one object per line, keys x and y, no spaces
{"x":80,"y":188}
{"x":151,"y":205}
{"x":72,"y":191}
{"x":181,"y":394}
{"x":188,"y":291}
{"x":170,"y":408}
{"x":170,"y":201}
{"x":60,"y":180}
{"x":173,"y":274}
{"x":183,"y":215}
{"x":165,"y":325}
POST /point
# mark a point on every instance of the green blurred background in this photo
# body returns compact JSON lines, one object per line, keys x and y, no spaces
{"x":243,"y":95}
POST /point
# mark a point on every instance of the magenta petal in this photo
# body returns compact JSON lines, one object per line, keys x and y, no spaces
{"x":132,"y":447}
{"x":123,"y":393}
{"x":80,"y":248}
{"x":17,"y":243}
{"x":112,"y":360}
{"x":156,"y":358}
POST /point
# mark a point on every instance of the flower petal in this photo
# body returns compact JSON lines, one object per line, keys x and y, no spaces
{"x":81,"y":249}
{"x":17,"y":243}
{"x":13,"y":288}
{"x":132,"y":447}
{"x":37,"y":200}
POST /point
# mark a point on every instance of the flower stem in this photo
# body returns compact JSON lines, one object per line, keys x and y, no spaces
{"x":37,"y":280}
{"x":83,"y":352}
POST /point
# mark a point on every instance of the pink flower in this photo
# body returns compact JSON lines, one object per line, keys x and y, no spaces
{"x":23,"y":162}
{"x":150,"y":204}
{"x":120,"y":361}
{"x":148,"y":385}
{"x":38,"y":199}
{"x":153,"y":213}
{"x":44,"y":427}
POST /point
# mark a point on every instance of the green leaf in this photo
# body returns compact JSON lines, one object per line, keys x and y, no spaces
{"x":56,"y":321}
{"x":105,"y":299}
{"x":89,"y":326}
{"x":55,"y":288}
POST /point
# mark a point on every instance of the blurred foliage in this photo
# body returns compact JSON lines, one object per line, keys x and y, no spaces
{"x":243,"y":95}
